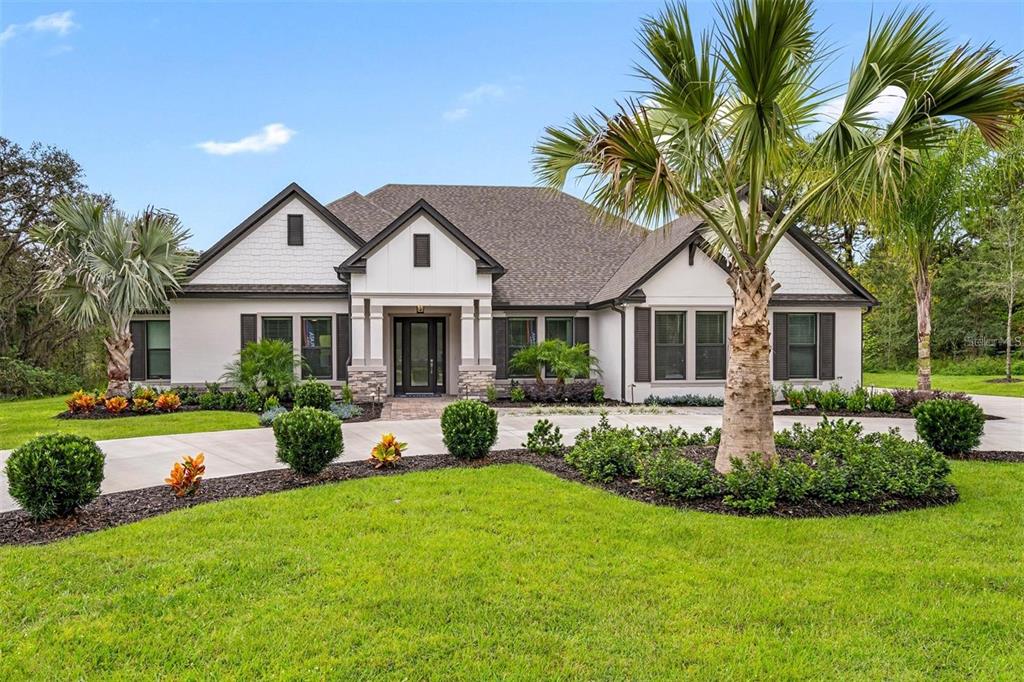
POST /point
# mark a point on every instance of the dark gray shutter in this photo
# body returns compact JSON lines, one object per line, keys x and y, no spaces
{"x":581,"y":332}
{"x":827,"y":345}
{"x":780,"y":347}
{"x":248,"y":330}
{"x":295,"y":230}
{"x":138,"y":332}
{"x":421,"y":250}
{"x":642,"y":345}
{"x":342,"y":345}
{"x":500,"y":347}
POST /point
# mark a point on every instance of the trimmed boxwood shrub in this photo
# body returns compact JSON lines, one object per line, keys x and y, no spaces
{"x":665,"y":469}
{"x":307,"y":439}
{"x":950,"y":426}
{"x":685,"y":400}
{"x":314,"y":393}
{"x":55,"y":474}
{"x":603,"y":453}
{"x":882,"y":402}
{"x":469,"y":428}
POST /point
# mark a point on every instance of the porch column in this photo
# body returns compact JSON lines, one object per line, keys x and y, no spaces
{"x":376,"y":334}
{"x":358,"y":332}
{"x":467,"y":341}
{"x":486,"y":334}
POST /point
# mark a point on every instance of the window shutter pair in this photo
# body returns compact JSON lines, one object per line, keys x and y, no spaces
{"x":138,"y":361}
{"x":826,"y":346}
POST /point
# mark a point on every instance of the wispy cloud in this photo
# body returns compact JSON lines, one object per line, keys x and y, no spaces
{"x":60,"y":23}
{"x":467,"y":101}
{"x":267,"y":140}
{"x":885,"y":107}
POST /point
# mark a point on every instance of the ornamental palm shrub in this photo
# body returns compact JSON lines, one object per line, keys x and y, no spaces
{"x":267,"y":367}
{"x":307,"y":439}
{"x":314,"y":393}
{"x":469,"y":428}
{"x":54,"y":475}
{"x":719,"y":127}
{"x":952,"y":427}
{"x":103,"y":267}
{"x":564,"y":361}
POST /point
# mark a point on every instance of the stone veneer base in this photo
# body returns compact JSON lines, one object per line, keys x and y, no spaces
{"x":475,"y":379}
{"x":368,"y":383}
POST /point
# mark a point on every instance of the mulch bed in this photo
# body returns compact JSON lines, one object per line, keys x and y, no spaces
{"x":371,"y":411}
{"x":116,"y":509}
{"x":990,"y":456}
{"x":505,"y":402}
{"x":814,"y":412}
{"x":1004,"y":380}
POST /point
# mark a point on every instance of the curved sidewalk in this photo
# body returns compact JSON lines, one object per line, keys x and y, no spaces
{"x":142,"y":462}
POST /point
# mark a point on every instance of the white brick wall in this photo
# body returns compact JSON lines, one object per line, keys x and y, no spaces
{"x":798,"y":273}
{"x":264,"y":257}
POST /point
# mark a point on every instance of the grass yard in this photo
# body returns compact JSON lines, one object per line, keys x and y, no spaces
{"x":510,"y":572}
{"x":21,"y":420}
{"x":946,"y":382}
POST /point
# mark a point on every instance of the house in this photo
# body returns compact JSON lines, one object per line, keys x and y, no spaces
{"x":430,"y":289}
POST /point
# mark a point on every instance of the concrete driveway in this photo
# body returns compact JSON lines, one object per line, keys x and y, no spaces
{"x":142,"y":462}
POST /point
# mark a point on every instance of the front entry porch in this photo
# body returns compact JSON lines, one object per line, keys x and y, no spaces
{"x":419,"y":357}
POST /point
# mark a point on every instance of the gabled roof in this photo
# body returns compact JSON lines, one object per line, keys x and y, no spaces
{"x":557,"y":249}
{"x":484,"y":261}
{"x":291,"y":191}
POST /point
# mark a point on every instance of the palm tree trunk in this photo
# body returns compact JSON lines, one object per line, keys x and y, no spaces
{"x":747,"y":425}
{"x":923,"y":295}
{"x":119,"y":364}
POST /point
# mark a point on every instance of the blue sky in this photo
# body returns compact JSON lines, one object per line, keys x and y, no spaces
{"x":361,"y":94}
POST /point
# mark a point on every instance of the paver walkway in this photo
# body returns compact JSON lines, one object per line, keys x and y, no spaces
{"x":142,"y":462}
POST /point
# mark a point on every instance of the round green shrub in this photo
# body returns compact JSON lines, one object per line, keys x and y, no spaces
{"x":314,"y":393}
{"x":950,"y":426}
{"x":55,"y":474}
{"x":882,"y":402}
{"x":469,"y":428}
{"x":307,"y":439}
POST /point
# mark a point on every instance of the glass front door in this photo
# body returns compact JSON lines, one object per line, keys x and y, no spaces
{"x":419,"y":355}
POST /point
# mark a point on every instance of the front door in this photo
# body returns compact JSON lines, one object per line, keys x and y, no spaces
{"x":419,"y":355}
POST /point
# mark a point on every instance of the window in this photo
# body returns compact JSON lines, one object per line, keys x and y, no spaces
{"x":522,"y":333}
{"x":670,"y":345}
{"x":316,"y":347}
{"x":158,"y":349}
{"x":803,"y":345}
{"x":277,"y":328}
{"x":421,"y":250}
{"x":710,"y":345}
{"x":559,"y":328}
{"x":295,"y":230}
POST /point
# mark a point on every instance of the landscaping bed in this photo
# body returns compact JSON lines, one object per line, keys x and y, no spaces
{"x":526,"y":404}
{"x":990,"y":456}
{"x":115,"y":509}
{"x":815,"y":412}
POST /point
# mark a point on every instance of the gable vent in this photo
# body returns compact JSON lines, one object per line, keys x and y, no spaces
{"x":295,"y":230}
{"x":421,"y":250}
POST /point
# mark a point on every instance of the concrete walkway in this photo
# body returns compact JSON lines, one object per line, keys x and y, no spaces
{"x":142,"y":462}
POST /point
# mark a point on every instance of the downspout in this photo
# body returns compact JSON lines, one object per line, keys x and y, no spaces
{"x":622,"y":349}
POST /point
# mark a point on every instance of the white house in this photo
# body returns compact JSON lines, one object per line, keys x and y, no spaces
{"x":430,"y":289}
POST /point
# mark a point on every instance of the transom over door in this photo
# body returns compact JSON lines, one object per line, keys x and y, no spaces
{"x":419,"y":355}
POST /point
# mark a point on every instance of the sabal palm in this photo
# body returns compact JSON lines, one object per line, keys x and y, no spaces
{"x":721,"y":130}
{"x":105,"y":267}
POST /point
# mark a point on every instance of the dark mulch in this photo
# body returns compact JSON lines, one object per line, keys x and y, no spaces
{"x":1004,"y":380}
{"x":815,"y":412}
{"x":371,"y":411}
{"x":116,"y":509}
{"x":505,"y":402}
{"x":990,"y":456}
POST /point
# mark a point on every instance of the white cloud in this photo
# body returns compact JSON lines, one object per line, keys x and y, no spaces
{"x":487,"y":92}
{"x":60,"y":23}
{"x":885,"y":107}
{"x":270,"y":138}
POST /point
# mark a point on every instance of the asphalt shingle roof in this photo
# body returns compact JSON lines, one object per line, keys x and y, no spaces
{"x":556,"y":249}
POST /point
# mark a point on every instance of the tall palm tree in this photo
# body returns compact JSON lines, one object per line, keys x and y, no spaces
{"x":934,"y":199}
{"x":105,"y":267}
{"x":726,"y":117}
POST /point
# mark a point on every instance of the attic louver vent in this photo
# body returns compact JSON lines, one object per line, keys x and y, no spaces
{"x":295,"y":230}
{"x":421,"y":250}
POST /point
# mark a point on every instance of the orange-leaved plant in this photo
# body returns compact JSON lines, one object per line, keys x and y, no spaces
{"x":168,"y":401}
{"x":142,"y":405}
{"x":80,"y":401}
{"x":387,"y":451}
{"x":186,"y":475}
{"x":115,"y":405}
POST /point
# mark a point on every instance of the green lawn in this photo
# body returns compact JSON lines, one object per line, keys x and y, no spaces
{"x":21,"y":420}
{"x":945,"y":382}
{"x":510,"y":572}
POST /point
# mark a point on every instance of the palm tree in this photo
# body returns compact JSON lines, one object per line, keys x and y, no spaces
{"x":721,"y":129}
{"x":105,"y":267}
{"x":934,"y":198}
